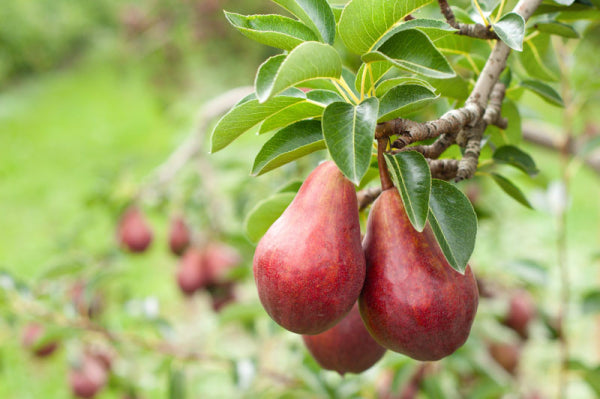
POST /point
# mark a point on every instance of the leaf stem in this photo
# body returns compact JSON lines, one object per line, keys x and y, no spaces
{"x":499,"y":13}
{"x":343,"y":83}
{"x":485,"y":21}
{"x":362,"y":83}
{"x":384,"y":175}
{"x":341,"y":91}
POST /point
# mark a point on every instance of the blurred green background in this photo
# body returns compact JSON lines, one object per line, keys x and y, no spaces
{"x":95,"y":95}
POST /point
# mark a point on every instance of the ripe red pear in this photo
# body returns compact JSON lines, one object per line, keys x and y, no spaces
{"x":31,"y":339}
{"x":521,"y":310}
{"x":309,"y":267}
{"x":346,"y":347}
{"x":191,"y":274}
{"x":179,"y":235}
{"x":413,"y":302}
{"x":219,"y":259}
{"x":88,"y":377}
{"x":221,"y":295}
{"x":133,"y":231}
{"x":506,"y":355}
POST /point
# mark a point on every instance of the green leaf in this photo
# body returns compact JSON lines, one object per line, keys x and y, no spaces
{"x":403,"y":100}
{"x":348,"y":131}
{"x":588,"y":146}
{"x":434,"y":28}
{"x":454,"y":223}
{"x":273,"y":30}
{"x":545,"y":91}
{"x":509,"y":188}
{"x":411,"y":175}
{"x":317,"y":14}
{"x":265,"y":213}
{"x":323,"y":97}
{"x":412,"y":50}
{"x":529,"y":271}
{"x":309,"y":60}
{"x":288,"y":144}
{"x":364,"y":22}
{"x":591,"y":302}
{"x":176,"y":384}
{"x":378,"y":70}
{"x":514,"y":156}
{"x":455,"y":87}
{"x":245,"y":116}
{"x":293,"y":113}
{"x":511,"y":30}
{"x":538,"y":58}
{"x":557,"y":28}
{"x":388,"y":84}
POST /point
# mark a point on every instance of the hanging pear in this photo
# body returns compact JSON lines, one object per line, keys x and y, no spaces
{"x":309,"y":267}
{"x":413,"y":302}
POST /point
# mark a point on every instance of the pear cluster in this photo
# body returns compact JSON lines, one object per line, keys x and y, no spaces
{"x":352,"y":300}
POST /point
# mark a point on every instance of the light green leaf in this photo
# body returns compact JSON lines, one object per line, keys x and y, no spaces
{"x":177,"y":383}
{"x":514,"y":156}
{"x":294,"y":113}
{"x":403,"y":100}
{"x":289,"y":144}
{"x":265,"y":213}
{"x":528,"y":270}
{"x":273,"y":30}
{"x":557,"y":28}
{"x":348,"y":131}
{"x":454,"y":223}
{"x":378,"y":70}
{"x":545,"y":91}
{"x":433,"y":28}
{"x":455,"y":87}
{"x":245,"y":116}
{"x":591,"y":302}
{"x":317,"y":14}
{"x":412,"y":50}
{"x":411,"y":175}
{"x":364,"y":22}
{"x":509,"y":188}
{"x":309,"y":60}
{"x":511,"y":30}
{"x":323,"y":97}
{"x":538,"y":58}
{"x":388,"y":84}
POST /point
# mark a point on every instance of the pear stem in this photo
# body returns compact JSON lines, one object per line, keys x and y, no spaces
{"x":384,"y":176}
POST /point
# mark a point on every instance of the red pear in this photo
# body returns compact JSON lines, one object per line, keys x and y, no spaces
{"x":346,"y":347}
{"x":88,"y":377}
{"x":191,"y":275}
{"x":33,"y":334}
{"x":133,"y":231}
{"x":309,"y":267}
{"x":219,"y":259}
{"x":521,"y":310}
{"x":506,"y":355}
{"x":179,"y":236}
{"x":221,"y":294}
{"x":413,"y":301}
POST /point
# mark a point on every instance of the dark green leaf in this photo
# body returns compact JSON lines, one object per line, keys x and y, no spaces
{"x":273,"y":30}
{"x":265,"y":213}
{"x":545,"y":91}
{"x":411,"y":175}
{"x":412,"y":50}
{"x":435,"y":29}
{"x":317,"y":14}
{"x":289,"y":144}
{"x":388,"y":84}
{"x":557,"y":28}
{"x":348,"y":131}
{"x":323,"y":97}
{"x":453,"y":222}
{"x":591,"y":302}
{"x":294,"y":113}
{"x":509,"y":188}
{"x":309,"y":60}
{"x":364,"y":22}
{"x":245,"y":116}
{"x":511,"y":30}
{"x":516,"y":157}
{"x":403,"y":100}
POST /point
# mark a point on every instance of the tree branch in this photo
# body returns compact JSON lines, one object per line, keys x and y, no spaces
{"x":478,"y":31}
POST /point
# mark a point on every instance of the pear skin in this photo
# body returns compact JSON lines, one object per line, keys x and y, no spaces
{"x":309,"y":267}
{"x":346,"y":347}
{"x":413,"y":302}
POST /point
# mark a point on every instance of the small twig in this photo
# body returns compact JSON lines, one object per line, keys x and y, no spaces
{"x":431,"y":151}
{"x":478,"y":31}
{"x":367,"y":196}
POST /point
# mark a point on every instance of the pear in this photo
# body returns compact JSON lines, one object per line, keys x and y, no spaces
{"x":33,"y":339}
{"x":413,"y":302}
{"x":220,"y":259}
{"x":133,"y":231}
{"x":521,"y":310}
{"x":88,"y":377}
{"x":191,"y":275}
{"x":345,"y":347}
{"x":309,"y":266}
{"x":179,"y":235}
